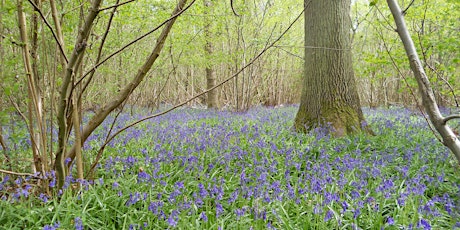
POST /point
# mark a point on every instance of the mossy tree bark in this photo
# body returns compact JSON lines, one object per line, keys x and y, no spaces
{"x":329,"y":96}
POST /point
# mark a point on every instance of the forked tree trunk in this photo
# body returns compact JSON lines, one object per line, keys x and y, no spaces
{"x":64,"y":104}
{"x":428,"y":98}
{"x":329,"y":95}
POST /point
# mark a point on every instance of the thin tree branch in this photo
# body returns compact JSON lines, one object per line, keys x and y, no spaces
{"x":451,"y":117}
{"x":122,"y":96}
{"x":116,"y":5}
{"x":19,"y":174}
{"x":99,"y":52}
{"x":418,"y":105}
{"x":407,"y":8}
{"x":134,"y":41}
{"x":233,"y":9}
{"x":449,"y":137}
{"x":51,"y":29}
{"x":385,"y":19}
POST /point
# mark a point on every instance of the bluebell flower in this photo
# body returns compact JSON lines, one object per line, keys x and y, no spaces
{"x":390,"y":221}
{"x":203,"y":192}
{"x":180,"y":185}
{"x":55,"y":226}
{"x":133,"y":199}
{"x":344,"y":206}
{"x":424,"y":224}
{"x":457,"y":225}
{"x":240,"y":212}
{"x":143,"y":177}
{"x":233,"y":197}
{"x":356,"y":213}
{"x":219,"y":209}
{"x":78,"y":223}
{"x":43,"y":197}
{"x":328,"y":216}
{"x":173,"y":218}
{"x":203,"y":217}
{"x":115,"y":185}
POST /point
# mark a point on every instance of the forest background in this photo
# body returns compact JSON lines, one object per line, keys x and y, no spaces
{"x":381,"y":69}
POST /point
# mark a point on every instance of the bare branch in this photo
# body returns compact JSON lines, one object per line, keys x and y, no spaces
{"x":407,"y":8}
{"x":116,"y":5}
{"x":19,"y":174}
{"x":51,"y":29}
{"x":134,"y":41}
{"x":289,"y":52}
{"x":451,"y":117}
{"x":99,"y":52}
{"x":418,"y":105}
{"x":122,"y":96}
{"x":233,"y":9}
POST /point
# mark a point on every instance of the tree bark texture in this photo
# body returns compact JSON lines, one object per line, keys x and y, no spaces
{"x":329,"y":97}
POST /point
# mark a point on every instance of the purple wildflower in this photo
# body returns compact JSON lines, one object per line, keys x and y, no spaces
{"x":356,"y":213}
{"x":78,"y":223}
{"x":219,"y":209}
{"x":203,"y":192}
{"x":55,"y":226}
{"x":115,"y":185}
{"x":390,"y":221}
{"x":424,"y":224}
{"x":173,"y":218}
{"x":204,"y":217}
{"x":328,"y":216}
{"x":344,"y":206}
{"x":43,"y":197}
{"x":154,"y":206}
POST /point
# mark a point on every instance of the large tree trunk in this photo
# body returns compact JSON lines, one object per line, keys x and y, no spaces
{"x":211,"y":101}
{"x":329,"y":94}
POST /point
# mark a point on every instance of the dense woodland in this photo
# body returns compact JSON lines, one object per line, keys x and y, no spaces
{"x":88,"y":87}
{"x":180,"y":72}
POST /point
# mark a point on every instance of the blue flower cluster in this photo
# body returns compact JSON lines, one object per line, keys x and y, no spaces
{"x":193,"y":168}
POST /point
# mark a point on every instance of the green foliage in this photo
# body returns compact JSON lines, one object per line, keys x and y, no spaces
{"x":432,"y":25}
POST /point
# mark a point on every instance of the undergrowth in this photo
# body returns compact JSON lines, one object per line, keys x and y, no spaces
{"x":194,"y":169}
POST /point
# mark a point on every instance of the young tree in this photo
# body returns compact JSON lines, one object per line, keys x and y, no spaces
{"x":439,"y":122}
{"x":329,"y":95}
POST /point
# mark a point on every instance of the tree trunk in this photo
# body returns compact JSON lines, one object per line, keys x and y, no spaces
{"x":64,"y":104}
{"x":211,"y":100}
{"x":329,"y":95}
